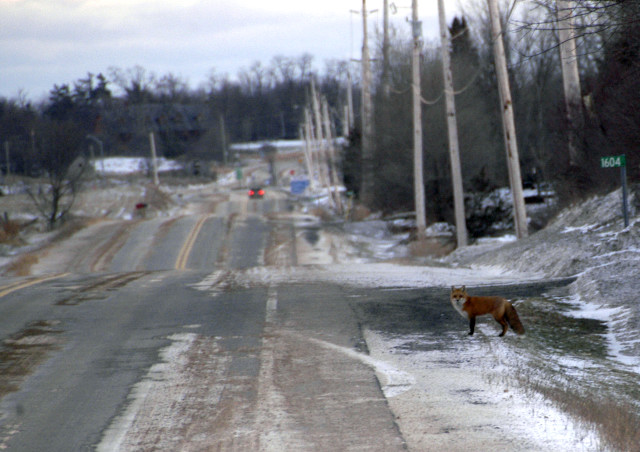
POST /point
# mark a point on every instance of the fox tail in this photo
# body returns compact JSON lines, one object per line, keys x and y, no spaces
{"x":514,"y":320}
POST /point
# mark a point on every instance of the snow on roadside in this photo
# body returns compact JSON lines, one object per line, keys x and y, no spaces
{"x":382,"y":275}
{"x":452,"y":406}
{"x":615,"y":318}
{"x":394,"y":275}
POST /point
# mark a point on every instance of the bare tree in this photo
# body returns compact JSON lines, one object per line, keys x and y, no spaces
{"x":305,"y":66}
{"x":59,"y":146}
{"x":136,"y":82}
{"x":172,"y":88}
{"x":283,"y":69}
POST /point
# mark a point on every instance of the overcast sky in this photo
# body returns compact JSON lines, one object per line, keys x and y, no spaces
{"x":47,"y":42}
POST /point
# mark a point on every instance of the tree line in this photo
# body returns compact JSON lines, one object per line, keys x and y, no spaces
{"x":609,"y":57}
{"x":121,"y":107}
{"x":267,"y":101}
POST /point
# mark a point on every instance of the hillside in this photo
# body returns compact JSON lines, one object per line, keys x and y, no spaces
{"x":588,"y":241}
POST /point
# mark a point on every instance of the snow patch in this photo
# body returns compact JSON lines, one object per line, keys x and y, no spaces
{"x":131,"y":165}
{"x":161,"y":375}
{"x":394,"y":380}
{"x":382,"y":275}
{"x":614,"y":318}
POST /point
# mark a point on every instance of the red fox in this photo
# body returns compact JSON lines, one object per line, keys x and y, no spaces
{"x":470,"y":307}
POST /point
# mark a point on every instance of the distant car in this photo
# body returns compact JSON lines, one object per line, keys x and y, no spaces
{"x":256,"y":193}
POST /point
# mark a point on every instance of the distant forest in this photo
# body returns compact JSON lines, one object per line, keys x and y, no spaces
{"x":267,"y":101}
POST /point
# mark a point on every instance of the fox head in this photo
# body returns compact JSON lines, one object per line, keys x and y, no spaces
{"x":458,"y":293}
{"x":458,"y":298}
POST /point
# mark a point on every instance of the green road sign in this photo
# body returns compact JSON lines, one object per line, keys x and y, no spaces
{"x":619,"y":161}
{"x":613,"y":161}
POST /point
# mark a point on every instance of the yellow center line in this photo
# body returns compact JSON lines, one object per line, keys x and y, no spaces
{"x":183,"y":256}
{"x":6,"y":290}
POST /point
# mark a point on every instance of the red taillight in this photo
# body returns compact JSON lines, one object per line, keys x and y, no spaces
{"x":251,"y":192}
{"x":261,"y":192}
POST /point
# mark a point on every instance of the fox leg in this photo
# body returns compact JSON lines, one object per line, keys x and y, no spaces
{"x":472,"y":325}
{"x":505,"y":326}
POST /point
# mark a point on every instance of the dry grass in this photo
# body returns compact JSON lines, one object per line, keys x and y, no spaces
{"x":21,"y":266}
{"x":157,"y":199}
{"x":321,"y":213}
{"x":616,"y":422}
{"x":431,"y":247}
{"x":359,"y":213}
{"x":9,"y":232}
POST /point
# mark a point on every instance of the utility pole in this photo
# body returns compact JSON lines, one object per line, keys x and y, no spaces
{"x":320,"y":141}
{"x":326,"y":120}
{"x":345,"y":122}
{"x":350,"y":113}
{"x":366,"y":185}
{"x":508,"y":122}
{"x":452,"y":127}
{"x":6,"y":152}
{"x":385,"y":50}
{"x":418,"y":177}
{"x":154,"y":164}
{"x":308,"y":134}
{"x":307,"y":151}
{"x":223,"y":140}
{"x":570,"y":76}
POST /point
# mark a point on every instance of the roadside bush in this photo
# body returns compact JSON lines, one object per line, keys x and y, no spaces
{"x":487,"y":213}
{"x":9,"y":231}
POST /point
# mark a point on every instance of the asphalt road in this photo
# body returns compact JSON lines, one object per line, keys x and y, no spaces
{"x":77,"y":343}
{"x":125,"y":347}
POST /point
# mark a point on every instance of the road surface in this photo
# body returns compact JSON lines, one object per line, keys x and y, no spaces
{"x":141,"y":335}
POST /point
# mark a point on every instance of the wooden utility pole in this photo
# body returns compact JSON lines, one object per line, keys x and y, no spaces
{"x":7,"y":159}
{"x":320,"y":142}
{"x":508,"y":122}
{"x":345,"y":121}
{"x":452,"y":127}
{"x":308,"y":134}
{"x":154,"y":164}
{"x":418,"y":176}
{"x":331,"y":158}
{"x":307,"y":151}
{"x":366,"y":184}
{"x":350,"y":113}
{"x":570,"y":76}
{"x":385,"y":51}
{"x":223,"y":140}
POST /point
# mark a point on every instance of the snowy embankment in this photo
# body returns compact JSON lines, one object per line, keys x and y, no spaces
{"x":588,"y":241}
